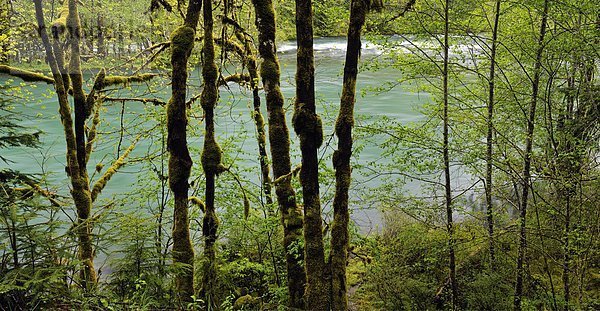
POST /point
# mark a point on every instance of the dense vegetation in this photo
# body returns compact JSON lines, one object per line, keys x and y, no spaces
{"x":487,"y":201}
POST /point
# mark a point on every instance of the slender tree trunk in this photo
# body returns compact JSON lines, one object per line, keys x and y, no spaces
{"x":86,"y":251}
{"x":211,"y":157}
{"x":259,"y":121}
{"x":180,"y":162}
{"x":291,"y":215}
{"x":100,"y":33}
{"x":490,"y":138}
{"x":526,"y":182}
{"x":309,"y":129}
{"x":566,"y":250}
{"x":446,"y":155}
{"x":79,"y":181}
{"x":341,"y":158}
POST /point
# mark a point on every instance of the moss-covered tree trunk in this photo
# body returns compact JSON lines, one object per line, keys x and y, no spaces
{"x":341,"y":157}
{"x":211,"y":157}
{"x":309,"y":129}
{"x":259,"y":121}
{"x":180,"y":162}
{"x":526,"y":177}
{"x":75,"y":160}
{"x":81,"y":193}
{"x":279,"y":140}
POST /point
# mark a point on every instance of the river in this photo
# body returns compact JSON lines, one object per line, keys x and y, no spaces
{"x":233,"y":122}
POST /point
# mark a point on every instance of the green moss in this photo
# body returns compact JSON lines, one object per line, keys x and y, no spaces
{"x":269,"y":70}
{"x":196,"y":201}
{"x":25,"y":75}
{"x":126,"y":80}
{"x":60,"y":24}
{"x":112,"y":170}
{"x":182,"y":41}
{"x":246,"y":302}
{"x":211,"y":157}
{"x":307,"y":125}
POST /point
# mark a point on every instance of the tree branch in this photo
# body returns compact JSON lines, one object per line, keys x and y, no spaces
{"x":25,"y":75}
{"x":101,"y":183}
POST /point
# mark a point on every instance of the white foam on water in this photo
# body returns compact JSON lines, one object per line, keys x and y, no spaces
{"x":329,"y":46}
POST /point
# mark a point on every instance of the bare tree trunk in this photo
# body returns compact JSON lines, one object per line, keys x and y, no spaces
{"x":446,"y":155}
{"x":309,"y":129}
{"x":490,"y":138}
{"x":211,"y":157}
{"x":180,"y":162}
{"x":526,"y":183}
{"x":291,"y":215}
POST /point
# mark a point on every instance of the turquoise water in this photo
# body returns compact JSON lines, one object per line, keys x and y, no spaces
{"x":233,"y":122}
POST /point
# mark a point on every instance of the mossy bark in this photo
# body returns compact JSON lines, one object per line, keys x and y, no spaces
{"x":180,"y":162}
{"x":259,"y":121}
{"x":81,"y":193}
{"x":341,"y":158}
{"x":211,"y":157}
{"x":309,"y":129}
{"x":526,"y":181}
{"x":79,"y":181}
{"x":25,"y":75}
{"x":291,"y":215}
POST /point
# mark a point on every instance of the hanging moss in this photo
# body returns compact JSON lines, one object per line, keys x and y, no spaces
{"x":196,"y":201}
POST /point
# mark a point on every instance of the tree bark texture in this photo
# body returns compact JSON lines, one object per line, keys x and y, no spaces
{"x":308,"y":127}
{"x":279,"y":140}
{"x":180,"y":162}
{"x":341,"y":158}
{"x":526,"y":182}
{"x":211,"y":157}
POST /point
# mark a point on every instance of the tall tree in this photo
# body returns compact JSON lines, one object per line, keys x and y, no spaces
{"x":211,"y":156}
{"x":180,"y":162}
{"x":341,"y":157}
{"x":526,"y":176}
{"x":279,"y":139}
{"x":309,"y":128}
{"x":490,"y":135}
{"x":75,"y":168}
{"x":446,"y":156}
{"x":79,"y":138}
